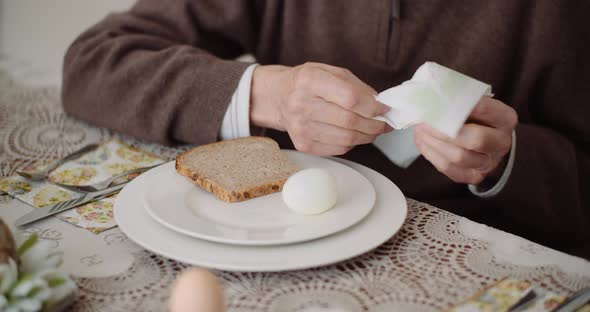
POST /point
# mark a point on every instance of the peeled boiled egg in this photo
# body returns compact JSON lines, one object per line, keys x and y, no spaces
{"x":310,"y":191}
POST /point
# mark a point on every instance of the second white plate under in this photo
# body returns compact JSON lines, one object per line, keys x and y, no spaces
{"x":385,"y":220}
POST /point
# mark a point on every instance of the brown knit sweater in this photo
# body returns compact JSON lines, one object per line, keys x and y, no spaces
{"x":163,"y":72}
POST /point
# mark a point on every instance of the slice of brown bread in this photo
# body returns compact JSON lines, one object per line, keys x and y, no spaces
{"x":237,"y":170}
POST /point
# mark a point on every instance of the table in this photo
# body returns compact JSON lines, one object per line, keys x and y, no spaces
{"x":435,"y":260}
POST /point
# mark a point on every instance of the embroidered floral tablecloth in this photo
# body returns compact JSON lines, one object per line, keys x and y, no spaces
{"x":437,"y":259}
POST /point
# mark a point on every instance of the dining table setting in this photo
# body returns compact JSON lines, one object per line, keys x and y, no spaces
{"x":127,"y":224}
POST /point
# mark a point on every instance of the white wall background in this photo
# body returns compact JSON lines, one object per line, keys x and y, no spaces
{"x":38,"y":32}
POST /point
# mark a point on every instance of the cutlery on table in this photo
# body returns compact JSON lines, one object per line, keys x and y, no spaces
{"x":577,"y":300}
{"x":99,"y":185}
{"x":41,"y":213}
{"x":41,"y":175}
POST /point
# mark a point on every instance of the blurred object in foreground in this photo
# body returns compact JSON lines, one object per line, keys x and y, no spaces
{"x":197,"y":290}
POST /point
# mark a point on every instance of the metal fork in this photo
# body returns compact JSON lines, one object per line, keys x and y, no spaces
{"x":41,"y":175}
{"x":98,"y":186}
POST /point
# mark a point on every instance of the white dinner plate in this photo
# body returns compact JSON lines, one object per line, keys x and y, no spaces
{"x":178,"y":204}
{"x":383,"y":222}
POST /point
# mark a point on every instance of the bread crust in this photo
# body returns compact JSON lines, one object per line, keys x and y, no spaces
{"x":220,"y":192}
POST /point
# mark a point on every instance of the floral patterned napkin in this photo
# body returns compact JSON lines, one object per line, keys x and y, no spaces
{"x":111,"y":158}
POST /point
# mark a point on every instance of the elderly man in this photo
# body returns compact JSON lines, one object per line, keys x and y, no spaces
{"x":164,"y":71}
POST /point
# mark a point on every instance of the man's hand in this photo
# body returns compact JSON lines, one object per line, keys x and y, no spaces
{"x":481,"y":148}
{"x":325,"y":109}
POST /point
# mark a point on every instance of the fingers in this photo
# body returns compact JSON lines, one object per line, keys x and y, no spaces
{"x":329,"y":134}
{"x":483,"y":139}
{"x":476,"y":153}
{"x":446,"y":167}
{"x":355,"y":97}
{"x":330,"y":113}
{"x":480,"y":147}
{"x":473,"y":137}
{"x":319,"y":149}
{"x":494,"y":113}
{"x":456,"y":154}
{"x":325,"y":139}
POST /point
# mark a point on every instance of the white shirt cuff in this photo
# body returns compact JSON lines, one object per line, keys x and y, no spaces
{"x":503,"y":179}
{"x":236,"y":121}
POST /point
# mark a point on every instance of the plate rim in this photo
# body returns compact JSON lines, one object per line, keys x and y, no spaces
{"x":230,"y":241}
{"x":241,"y":267}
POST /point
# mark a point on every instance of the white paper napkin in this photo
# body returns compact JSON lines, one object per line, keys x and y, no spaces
{"x":436,"y":95}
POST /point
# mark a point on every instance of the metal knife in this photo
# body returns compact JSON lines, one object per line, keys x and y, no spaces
{"x":575,"y":301}
{"x":41,"y":213}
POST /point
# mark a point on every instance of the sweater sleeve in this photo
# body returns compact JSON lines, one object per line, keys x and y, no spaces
{"x":550,"y":179}
{"x":161,"y":71}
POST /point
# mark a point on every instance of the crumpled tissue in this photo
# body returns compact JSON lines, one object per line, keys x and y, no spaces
{"x":436,"y":95}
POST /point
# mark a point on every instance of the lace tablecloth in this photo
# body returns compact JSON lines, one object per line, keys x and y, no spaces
{"x":436,"y":260}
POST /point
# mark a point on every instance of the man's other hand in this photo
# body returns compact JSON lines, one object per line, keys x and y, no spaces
{"x":480,"y":150}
